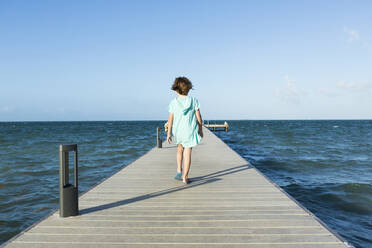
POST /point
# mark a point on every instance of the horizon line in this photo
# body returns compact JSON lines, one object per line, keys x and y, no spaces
{"x":315,"y":119}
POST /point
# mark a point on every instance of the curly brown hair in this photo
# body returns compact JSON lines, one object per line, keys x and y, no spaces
{"x":182,"y":85}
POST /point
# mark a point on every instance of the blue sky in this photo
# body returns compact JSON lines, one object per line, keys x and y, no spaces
{"x":116,"y":60}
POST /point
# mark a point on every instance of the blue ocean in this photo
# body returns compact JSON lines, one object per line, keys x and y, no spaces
{"x":325,"y":165}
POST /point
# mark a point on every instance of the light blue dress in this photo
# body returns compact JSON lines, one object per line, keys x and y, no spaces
{"x":185,"y":127}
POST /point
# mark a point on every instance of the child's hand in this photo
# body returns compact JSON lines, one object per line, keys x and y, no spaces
{"x":200,"y":131}
{"x":169,"y":139}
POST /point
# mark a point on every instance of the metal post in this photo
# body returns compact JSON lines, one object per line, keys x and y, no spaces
{"x":66,"y":177}
{"x":68,"y":193}
{"x":158,"y":138}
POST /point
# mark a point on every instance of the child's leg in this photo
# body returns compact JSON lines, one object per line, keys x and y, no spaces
{"x":179,"y":158}
{"x":186,"y":163}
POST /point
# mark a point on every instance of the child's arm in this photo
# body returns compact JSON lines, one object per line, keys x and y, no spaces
{"x":170,"y":124}
{"x":200,"y":122}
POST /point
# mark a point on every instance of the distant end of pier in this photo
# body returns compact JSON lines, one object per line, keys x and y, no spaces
{"x":216,"y":127}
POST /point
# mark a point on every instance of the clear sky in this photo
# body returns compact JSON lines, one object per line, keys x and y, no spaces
{"x":116,"y":60}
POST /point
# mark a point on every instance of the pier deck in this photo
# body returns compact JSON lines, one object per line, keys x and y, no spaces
{"x":228,"y":204}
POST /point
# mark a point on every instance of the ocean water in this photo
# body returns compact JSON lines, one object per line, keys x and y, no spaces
{"x":325,"y":165}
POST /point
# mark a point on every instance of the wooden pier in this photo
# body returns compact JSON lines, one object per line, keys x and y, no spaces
{"x":225,"y":126}
{"x":229,"y":203}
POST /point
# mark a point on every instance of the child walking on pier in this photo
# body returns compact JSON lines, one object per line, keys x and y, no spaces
{"x":185,"y":123}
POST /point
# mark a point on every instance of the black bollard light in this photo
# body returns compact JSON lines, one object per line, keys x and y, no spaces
{"x":158,"y":138}
{"x":68,"y":193}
